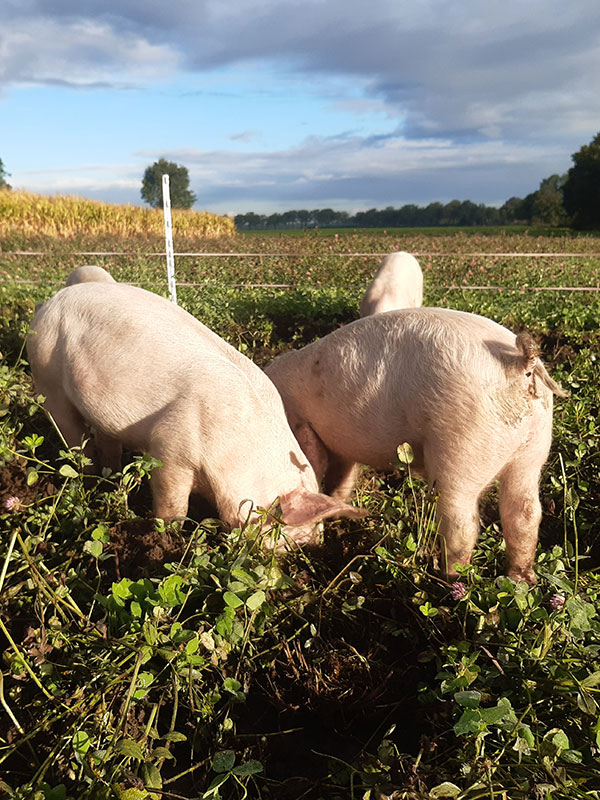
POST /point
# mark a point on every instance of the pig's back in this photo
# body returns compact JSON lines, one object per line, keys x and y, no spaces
{"x":126,"y":354}
{"x":416,"y":341}
{"x":140,"y":326}
{"x":391,"y":377}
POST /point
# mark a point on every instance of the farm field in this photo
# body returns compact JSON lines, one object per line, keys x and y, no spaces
{"x":148,"y":662}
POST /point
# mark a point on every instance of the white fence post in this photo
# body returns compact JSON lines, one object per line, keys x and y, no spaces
{"x":169,"y":239}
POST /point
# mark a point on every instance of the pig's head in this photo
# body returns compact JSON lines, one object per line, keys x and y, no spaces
{"x":302,"y":512}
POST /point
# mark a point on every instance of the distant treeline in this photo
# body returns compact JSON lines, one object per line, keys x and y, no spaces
{"x":545,"y":206}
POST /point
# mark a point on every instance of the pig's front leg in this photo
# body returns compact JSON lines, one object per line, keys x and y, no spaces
{"x":171,"y":487}
{"x":338,"y":474}
{"x":109,"y":451}
{"x":340,"y":477}
{"x":311,"y":445}
{"x":71,"y":425}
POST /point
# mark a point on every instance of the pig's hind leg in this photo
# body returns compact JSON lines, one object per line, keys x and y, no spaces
{"x":458,"y":515}
{"x":340,"y":477}
{"x":520,"y":514}
{"x":459,"y":470}
{"x":69,"y":421}
{"x":520,"y":509}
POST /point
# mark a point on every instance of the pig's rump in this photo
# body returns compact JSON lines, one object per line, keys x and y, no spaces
{"x":471,"y":398}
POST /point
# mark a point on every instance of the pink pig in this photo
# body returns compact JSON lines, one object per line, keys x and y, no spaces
{"x":144,"y":373}
{"x":398,"y":283}
{"x":472,"y":399}
{"x":89,"y":272}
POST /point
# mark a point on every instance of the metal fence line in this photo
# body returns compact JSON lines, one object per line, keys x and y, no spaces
{"x":297,"y":255}
{"x":212,"y":285}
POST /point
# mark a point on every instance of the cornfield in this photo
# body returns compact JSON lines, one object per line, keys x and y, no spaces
{"x":68,"y":216}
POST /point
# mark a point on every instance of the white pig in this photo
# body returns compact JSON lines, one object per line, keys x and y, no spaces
{"x":470,"y":397}
{"x":89,"y":272}
{"x":398,"y":283}
{"x":144,"y":373}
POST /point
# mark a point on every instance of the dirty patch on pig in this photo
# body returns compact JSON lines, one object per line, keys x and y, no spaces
{"x":512,"y":403}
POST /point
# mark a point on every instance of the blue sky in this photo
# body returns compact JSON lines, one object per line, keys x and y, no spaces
{"x":273,"y":104}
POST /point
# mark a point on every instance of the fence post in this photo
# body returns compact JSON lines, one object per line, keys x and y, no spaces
{"x":169,"y":239}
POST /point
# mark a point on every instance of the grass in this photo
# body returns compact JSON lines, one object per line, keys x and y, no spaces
{"x":144,"y":662}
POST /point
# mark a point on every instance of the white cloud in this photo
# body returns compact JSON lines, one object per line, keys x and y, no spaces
{"x":78,"y":53}
{"x":245,"y":136}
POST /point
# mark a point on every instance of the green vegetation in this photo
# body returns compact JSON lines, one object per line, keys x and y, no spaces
{"x":582,"y":188}
{"x":143,"y":662}
{"x":179,"y":185}
{"x":3,"y":176}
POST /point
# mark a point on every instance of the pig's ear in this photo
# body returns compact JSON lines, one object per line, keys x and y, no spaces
{"x":300,"y":507}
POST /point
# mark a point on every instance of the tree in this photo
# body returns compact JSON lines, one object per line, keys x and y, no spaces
{"x":509,"y":212}
{"x":179,"y":184}
{"x":290,"y":219}
{"x":3,"y":174}
{"x":249,"y":220}
{"x":581,"y":191}
{"x":324,"y":216}
{"x":432,"y":214}
{"x":275,"y":220}
{"x":548,"y":206}
{"x":303,"y":217}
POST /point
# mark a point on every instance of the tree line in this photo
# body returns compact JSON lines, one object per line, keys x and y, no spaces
{"x":572,"y":199}
{"x":545,"y":206}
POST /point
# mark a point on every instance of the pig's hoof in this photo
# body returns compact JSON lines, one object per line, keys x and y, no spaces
{"x":523,"y":574}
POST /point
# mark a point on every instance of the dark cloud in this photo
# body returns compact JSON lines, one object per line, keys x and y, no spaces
{"x":479,"y":69}
{"x":417,"y":186}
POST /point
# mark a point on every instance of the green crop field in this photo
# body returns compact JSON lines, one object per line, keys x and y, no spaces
{"x":144,"y":661}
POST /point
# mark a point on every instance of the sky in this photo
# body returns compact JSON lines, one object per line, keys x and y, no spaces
{"x":275,"y":105}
